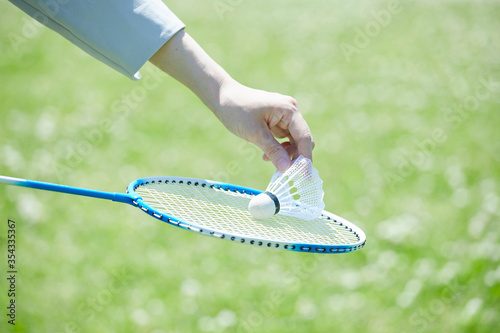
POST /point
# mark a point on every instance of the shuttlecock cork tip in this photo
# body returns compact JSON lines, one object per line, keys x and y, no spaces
{"x":264,"y":206}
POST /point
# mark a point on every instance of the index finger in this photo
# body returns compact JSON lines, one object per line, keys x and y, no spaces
{"x":300,"y":132}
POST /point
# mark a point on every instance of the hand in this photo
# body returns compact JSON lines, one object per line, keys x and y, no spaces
{"x":254,"y":115}
{"x":260,"y":116}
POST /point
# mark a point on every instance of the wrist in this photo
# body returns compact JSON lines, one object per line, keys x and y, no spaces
{"x":223,"y":95}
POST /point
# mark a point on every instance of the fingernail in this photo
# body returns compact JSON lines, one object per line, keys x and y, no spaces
{"x":283,"y":164}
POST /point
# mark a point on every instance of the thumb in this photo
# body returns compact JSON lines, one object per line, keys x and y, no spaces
{"x":274,"y":150}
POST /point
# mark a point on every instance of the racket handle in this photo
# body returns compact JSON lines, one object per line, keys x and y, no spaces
{"x":11,"y":181}
{"x":67,"y":189}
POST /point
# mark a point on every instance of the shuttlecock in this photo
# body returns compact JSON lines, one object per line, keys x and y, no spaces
{"x":298,"y":192}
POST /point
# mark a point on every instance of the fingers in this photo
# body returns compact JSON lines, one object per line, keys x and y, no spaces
{"x":278,"y":117}
{"x":301,"y":133}
{"x":279,"y":133}
{"x":290,"y":148}
{"x":288,"y":122}
{"x":297,"y":128}
{"x":274,"y":150}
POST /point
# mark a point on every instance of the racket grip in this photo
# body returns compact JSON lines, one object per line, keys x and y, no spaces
{"x":67,"y":189}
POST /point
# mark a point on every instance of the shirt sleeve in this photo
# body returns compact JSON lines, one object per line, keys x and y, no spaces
{"x":123,"y":34}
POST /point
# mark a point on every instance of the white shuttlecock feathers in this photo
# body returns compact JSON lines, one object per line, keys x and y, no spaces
{"x":298,"y":192}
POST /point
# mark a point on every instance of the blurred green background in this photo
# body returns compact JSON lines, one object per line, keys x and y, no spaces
{"x":403,"y":102}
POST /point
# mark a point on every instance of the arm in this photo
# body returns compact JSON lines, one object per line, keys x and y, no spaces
{"x":254,"y":115}
{"x":124,"y":34}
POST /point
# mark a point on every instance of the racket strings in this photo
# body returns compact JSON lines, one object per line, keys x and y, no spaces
{"x":227,"y":212}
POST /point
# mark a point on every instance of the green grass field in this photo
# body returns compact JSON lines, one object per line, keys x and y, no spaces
{"x":403,"y":102}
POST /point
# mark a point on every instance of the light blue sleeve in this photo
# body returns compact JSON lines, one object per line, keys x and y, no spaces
{"x":123,"y":34}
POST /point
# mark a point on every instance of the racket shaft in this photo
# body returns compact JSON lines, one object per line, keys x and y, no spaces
{"x":66,"y":189}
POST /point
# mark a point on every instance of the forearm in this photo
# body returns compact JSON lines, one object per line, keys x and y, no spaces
{"x":183,"y":59}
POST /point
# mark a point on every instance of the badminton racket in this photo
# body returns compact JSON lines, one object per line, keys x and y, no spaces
{"x":220,"y":210}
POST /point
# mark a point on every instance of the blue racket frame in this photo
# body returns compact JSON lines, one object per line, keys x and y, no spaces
{"x":132,"y":198}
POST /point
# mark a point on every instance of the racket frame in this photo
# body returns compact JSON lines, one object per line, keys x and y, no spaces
{"x":297,"y":247}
